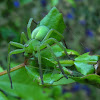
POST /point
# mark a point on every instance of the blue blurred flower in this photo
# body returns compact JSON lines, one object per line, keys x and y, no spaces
{"x":64,"y":91}
{"x":89,"y":33}
{"x":82,"y":22}
{"x":87,"y":89}
{"x":70,"y":16}
{"x":44,"y":3}
{"x":16,"y":3}
{"x":76,"y":87}
{"x":87,"y":50}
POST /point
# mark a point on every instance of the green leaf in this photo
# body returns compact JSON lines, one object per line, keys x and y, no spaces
{"x":2,"y":96}
{"x":64,"y":81}
{"x":54,"y":2}
{"x":23,"y":2}
{"x":58,"y":52}
{"x":1,"y":69}
{"x":84,"y":68}
{"x":82,"y":63}
{"x":48,"y":78}
{"x":54,"y":20}
{"x":48,"y":63}
{"x":86,"y":58}
{"x":32,"y":72}
{"x":92,"y":79}
{"x":23,"y":86}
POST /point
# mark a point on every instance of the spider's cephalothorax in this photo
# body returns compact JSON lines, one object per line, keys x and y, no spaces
{"x":31,"y":45}
{"x":39,"y":39}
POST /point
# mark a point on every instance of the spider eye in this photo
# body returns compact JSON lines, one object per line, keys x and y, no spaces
{"x":26,"y":45}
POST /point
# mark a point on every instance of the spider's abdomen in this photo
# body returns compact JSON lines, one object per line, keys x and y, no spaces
{"x":31,"y":45}
{"x":39,"y":33}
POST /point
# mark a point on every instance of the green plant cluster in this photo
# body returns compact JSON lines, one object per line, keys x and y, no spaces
{"x":83,"y":28}
{"x":26,"y":80}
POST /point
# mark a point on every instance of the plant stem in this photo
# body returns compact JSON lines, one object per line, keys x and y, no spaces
{"x":67,"y":62}
{"x":71,"y":62}
{"x":12,"y":69}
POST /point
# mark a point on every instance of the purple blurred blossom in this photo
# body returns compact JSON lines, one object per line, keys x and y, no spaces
{"x":64,"y":91}
{"x":87,"y":50}
{"x":87,"y":89}
{"x":70,"y":16}
{"x":43,"y":2}
{"x":89,"y":33}
{"x":82,"y":22}
{"x":16,"y":3}
{"x":79,"y":86}
{"x":76,"y":87}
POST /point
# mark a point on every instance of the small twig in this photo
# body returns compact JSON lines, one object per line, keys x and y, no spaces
{"x":13,"y":69}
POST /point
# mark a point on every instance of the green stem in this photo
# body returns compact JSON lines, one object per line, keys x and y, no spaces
{"x":12,"y":69}
{"x":71,"y":62}
{"x":67,"y":62}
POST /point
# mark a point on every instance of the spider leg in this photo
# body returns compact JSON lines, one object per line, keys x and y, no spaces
{"x":39,"y":62}
{"x":23,"y":38}
{"x":50,"y":32}
{"x":8,"y":69}
{"x":13,"y":52}
{"x":60,"y":45}
{"x":28,"y":27}
{"x":19,"y":45}
{"x":64,"y":42}
{"x":60,"y":67}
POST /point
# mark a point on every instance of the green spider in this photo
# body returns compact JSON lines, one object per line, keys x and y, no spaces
{"x":38,"y":40}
